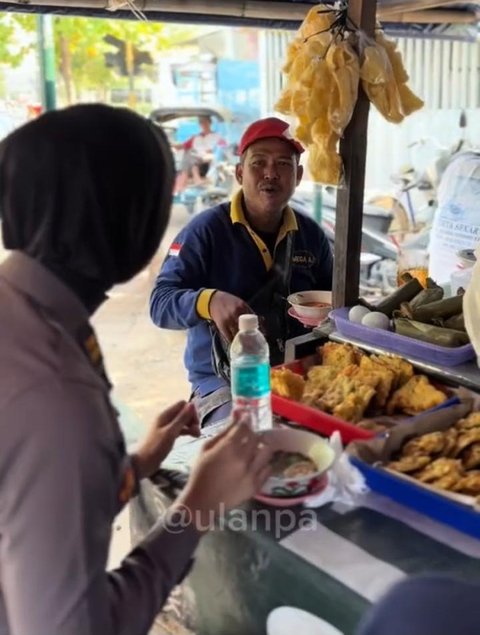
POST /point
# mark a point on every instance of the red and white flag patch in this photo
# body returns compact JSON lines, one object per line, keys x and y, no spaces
{"x":174,"y":249}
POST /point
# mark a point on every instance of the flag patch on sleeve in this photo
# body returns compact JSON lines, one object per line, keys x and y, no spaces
{"x":174,"y":249}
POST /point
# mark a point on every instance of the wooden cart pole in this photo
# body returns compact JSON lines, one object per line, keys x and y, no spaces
{"x":353,"y":149}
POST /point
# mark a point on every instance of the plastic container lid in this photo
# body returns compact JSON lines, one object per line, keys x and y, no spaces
{"x":248,"y":322}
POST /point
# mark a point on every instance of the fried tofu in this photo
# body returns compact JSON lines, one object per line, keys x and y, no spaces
{"x":319,"y":380}
{"x":402,"y":369}
{"x":287,"y":384}
{"x":347,"y":399}
{"x":379,"y":378}
{"x":416,"y":396}
{"x":339,"y":355}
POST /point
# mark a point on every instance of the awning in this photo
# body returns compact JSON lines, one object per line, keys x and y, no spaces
{"x":286,"y":14}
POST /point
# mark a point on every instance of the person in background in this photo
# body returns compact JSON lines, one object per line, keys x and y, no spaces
{"x":239,"y":257}
{"x":85,"y":195}
{"x":426,"y":605}
{"x":198,"y":153}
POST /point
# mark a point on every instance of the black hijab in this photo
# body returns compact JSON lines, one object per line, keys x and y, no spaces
{"x":86,"y":191}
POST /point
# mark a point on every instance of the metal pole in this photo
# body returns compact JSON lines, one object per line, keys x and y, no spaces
{"x":317,"y":202}
{"x":46,"y":54}
{"x":129,"y":59}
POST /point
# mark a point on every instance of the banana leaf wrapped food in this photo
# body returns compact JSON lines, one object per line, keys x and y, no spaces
{"x":456,"y":322}
{"x":445,"y":309}
{"x":391,"y":303}
{"x":432,"y":293}
{"x":450,"y":338}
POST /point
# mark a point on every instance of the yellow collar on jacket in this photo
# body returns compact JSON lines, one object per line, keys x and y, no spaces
{"x":237,"y":215}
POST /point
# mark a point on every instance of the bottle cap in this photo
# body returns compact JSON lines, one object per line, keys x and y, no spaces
{"x":248,"y":322}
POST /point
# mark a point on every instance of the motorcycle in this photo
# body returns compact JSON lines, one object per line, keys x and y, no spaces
{"x":414,"y":200}
{"x":217,"y":183}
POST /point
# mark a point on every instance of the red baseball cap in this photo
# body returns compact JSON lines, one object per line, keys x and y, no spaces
{"x":268,"y":128}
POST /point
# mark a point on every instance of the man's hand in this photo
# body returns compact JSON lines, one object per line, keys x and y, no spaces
{"x":231,"y":468}
{"x":225,"y":310}
{"x":179,"y":419}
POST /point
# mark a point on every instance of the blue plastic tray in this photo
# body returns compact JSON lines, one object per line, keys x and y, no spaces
{"x":401,"y":343}
{"x":436,"y":506}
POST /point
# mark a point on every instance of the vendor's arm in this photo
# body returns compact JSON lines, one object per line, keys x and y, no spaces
{"x":59,"y":486}
{"x":181,"y":296}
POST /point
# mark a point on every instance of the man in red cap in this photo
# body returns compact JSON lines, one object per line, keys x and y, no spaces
{"x":242,"y":256}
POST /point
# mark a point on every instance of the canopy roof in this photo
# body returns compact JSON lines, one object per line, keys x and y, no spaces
{"x":403,"y":15}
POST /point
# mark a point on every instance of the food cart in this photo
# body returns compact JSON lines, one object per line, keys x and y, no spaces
{"x":337,"y":566}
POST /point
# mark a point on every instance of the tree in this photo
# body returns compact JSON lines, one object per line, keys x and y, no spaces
{"x":81,"y":48}
{"x":16,"y":31}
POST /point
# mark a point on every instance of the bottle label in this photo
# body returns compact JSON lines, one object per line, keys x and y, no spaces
{"x":251,"y":381}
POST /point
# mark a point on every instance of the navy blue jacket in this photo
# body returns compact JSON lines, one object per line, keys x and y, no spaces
{"x":219,"y":250}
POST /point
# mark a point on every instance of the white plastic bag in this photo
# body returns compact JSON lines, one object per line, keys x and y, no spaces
{"x":471,"y":307}
{"x":456,"y":224}
{"x":346,"y":484}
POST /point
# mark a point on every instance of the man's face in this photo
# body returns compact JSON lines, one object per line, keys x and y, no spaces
{"x":268,"y":173}
{"x":205,"y":124}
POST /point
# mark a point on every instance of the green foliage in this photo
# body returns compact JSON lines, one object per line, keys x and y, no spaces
{"x":15,"y":37}
{"x":80,"y":48}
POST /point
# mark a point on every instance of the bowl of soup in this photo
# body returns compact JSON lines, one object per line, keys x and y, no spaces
{"x":311,"y":304}
{"x":299,"y":462}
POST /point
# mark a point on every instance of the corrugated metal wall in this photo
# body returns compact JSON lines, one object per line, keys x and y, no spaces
{"x":445,"y":73}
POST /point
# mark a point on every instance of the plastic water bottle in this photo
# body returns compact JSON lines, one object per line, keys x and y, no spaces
{"x":250,"y":372}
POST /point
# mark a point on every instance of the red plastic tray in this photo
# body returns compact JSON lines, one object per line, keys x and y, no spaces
{"x":315,"y":419}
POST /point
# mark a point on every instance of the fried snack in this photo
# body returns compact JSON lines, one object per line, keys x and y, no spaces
{"x":471,"y":456}
{"x":346,"y":398}
{"x":319,"y":379}
{"x":431,"y":443}
{"x":375,"y":364}
{"x":370,"y":424}
{"x":408,"y":464}
{"x":403,"y":370}
{"x":450,"y":437}
{"x":287,"y":384}
{"x":440,"y":468}
{"x":465,"y":439}
{"x":381,"y":379}
{"x":417,"y":395}
{"x":469,"y":484}
{"x":448,"y":482}
{"x":339,"y":355}
{"x":472,"y":421}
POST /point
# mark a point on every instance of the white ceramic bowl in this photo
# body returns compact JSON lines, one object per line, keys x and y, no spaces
{"x":300,"y":301}
{"x":309,"y":444}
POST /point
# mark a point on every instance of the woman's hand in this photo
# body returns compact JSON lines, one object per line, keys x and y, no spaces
{"x":180,"y":419}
